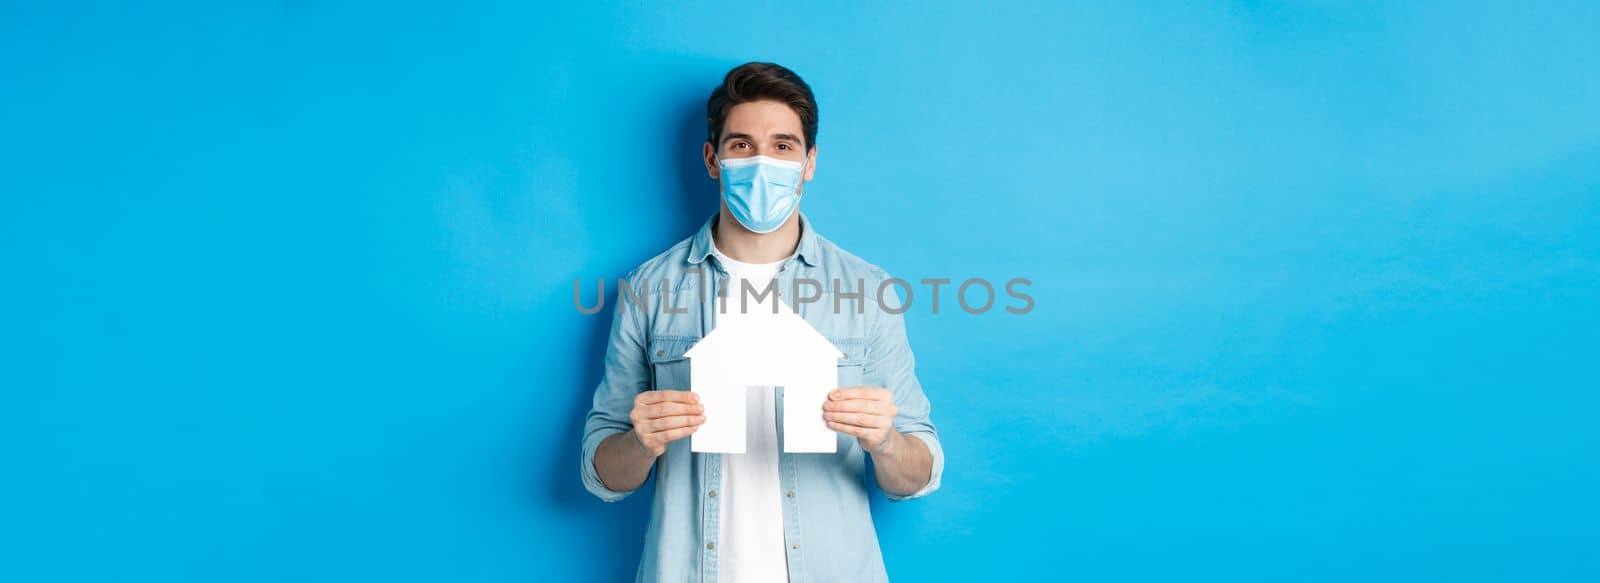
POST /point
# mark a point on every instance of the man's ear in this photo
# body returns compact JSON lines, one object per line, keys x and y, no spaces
{"x":709,"y":153}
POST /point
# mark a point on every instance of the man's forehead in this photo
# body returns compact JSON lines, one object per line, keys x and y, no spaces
{"x":762,"y":118}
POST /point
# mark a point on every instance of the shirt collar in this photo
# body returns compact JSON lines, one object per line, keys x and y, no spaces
{"x":700,"y":246}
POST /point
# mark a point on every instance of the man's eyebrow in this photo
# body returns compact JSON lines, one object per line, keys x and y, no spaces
{"x":775,"y":137}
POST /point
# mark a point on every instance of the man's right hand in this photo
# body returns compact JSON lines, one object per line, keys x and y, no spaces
{"x":662,"y":417}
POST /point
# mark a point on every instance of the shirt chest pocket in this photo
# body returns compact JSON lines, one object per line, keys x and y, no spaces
{"x":669,"y":368}
{"x":853,"y":362}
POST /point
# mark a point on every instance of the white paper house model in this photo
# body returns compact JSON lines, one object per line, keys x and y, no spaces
{"x":762,"y":349}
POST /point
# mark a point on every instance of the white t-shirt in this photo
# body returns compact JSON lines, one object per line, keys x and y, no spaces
{"x":750,"y":526}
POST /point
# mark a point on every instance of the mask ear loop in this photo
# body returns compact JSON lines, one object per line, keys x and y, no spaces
{"x":800,"y":184}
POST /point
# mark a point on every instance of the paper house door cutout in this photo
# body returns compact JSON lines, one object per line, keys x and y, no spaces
{"x":759,"y":349}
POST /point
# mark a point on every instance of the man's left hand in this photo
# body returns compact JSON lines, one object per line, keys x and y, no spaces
{"x":865,"y":412}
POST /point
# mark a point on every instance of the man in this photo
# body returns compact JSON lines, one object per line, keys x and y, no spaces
{"x":763,"y":515}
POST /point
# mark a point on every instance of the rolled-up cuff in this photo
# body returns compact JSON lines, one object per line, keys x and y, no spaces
{"x":937,"y":453}
{"x":591,"y":476}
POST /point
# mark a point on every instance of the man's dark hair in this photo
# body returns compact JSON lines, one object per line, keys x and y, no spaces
{"x":755,"y":82}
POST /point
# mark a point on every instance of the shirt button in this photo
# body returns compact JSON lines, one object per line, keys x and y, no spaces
{"x":710,"y":546}
{"x":791,"y":493}
{"x":713,"y":494}
{"x":794,"y":546}
{"x":661,"y":353}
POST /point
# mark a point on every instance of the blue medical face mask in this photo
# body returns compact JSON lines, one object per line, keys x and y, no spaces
{"x":760,"y":191}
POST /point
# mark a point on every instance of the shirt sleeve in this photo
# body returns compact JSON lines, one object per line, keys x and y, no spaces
{"x":889,"y":360}
{"x":626,"y":375}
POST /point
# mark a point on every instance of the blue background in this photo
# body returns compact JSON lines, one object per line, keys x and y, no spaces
{"x":288,"y":286}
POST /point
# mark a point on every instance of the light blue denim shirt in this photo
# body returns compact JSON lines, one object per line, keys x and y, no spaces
{"x":827,"y":525}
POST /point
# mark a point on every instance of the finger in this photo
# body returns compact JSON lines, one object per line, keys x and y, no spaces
{"x":846,"y":393}
{"x":856,"y":406}
{"x":857,"y":419}
{"x":670,"y":423}
{"x":667,"y":396}
{"x":679,"y":433}
{"x":850,"y":430}
{"x":673,"y":409}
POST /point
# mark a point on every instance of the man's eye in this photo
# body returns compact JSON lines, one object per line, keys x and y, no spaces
{"x":783,"y":146}
{"x":739,"y":145}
